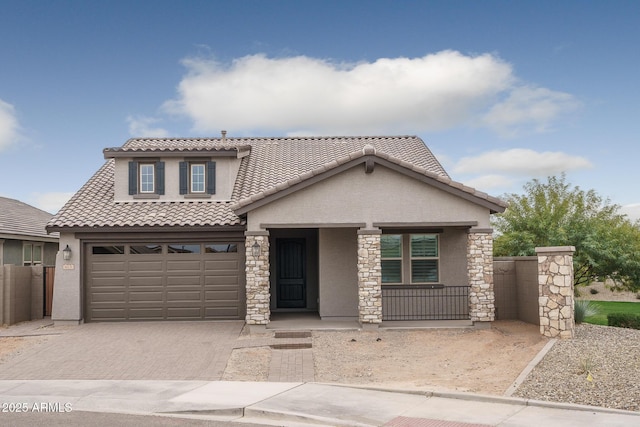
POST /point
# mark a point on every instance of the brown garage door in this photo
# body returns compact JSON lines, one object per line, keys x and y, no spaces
{"x":167,"y":281}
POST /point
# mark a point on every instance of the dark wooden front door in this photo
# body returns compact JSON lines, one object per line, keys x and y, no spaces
{"x":291,"y":273}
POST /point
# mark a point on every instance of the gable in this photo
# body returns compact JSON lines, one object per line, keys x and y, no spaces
{"x":354,"y":196}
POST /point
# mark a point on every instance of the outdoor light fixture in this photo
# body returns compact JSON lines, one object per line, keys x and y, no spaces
{"x":66,"y":253}
{"x":256,"y":249}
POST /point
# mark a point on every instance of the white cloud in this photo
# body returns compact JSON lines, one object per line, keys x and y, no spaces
{"x":521,"y":162}
{"x":632,"y":211}
{"x":141,"y":126}
{"x":488,"y":182}
{"x":304,"y":95}
{"x":528,"y":108}
{"x":9,"y":127}
{"x":50,"y":202}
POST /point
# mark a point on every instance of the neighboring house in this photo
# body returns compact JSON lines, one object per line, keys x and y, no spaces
{"x":363,"y":228}
{"x":23,"y":238}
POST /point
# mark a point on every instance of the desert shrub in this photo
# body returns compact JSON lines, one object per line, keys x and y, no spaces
{"x":593,"y":291}
{"x":624,"y":320}
{"x":582,"y":309}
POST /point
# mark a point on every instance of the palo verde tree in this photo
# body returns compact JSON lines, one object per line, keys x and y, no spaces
{"x":554,"y":213}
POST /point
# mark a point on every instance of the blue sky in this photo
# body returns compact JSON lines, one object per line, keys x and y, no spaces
{"x":501,"y":91}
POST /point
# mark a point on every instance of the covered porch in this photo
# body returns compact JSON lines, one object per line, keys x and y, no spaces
{"x":331,"y":278}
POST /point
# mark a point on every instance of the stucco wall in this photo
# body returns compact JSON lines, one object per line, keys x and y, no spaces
{"x":67,"y":295}
{"x":516,"y":288}
{"x":338,"y":250}
{"x":453,"y":257}
{"x":226,"y":172}
{"x":357,"y":197}
{"x":13,"y":252}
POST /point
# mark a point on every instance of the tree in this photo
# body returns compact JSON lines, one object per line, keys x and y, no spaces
{"x":556,"y":214}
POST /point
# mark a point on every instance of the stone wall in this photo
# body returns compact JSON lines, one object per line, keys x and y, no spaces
{"x":257,"y":280}
{"x":555,"y":282}
{"x":369,"y":277}
{"x":480,"y":268}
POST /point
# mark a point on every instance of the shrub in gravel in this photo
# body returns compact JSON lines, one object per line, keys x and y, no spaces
{"x":624,"y":320}
{"x":593,"y":291}
{"x":582,"y":309}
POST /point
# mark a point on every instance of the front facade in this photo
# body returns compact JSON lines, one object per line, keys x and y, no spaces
{"x":364,"y":228}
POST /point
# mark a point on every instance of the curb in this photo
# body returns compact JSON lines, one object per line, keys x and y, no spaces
{"x":527,"y":370}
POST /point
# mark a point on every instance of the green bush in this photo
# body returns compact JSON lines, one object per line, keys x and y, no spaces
{"x":593,"y":291}
{"x":582,"y":309}
{"x":624,"y":320}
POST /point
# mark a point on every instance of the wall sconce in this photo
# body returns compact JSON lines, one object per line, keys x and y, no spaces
{"x":66,"y":253}
{"x":256,"y":250}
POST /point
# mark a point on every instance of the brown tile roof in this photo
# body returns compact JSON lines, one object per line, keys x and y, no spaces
{"x":274,"y":163}
{"x":20,"y":219}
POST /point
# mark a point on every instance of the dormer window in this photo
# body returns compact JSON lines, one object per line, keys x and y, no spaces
{"x":146,"y":178}
{"x":198,"y":177}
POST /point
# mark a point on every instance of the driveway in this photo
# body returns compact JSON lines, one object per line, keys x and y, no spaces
{"x":126,"y":351}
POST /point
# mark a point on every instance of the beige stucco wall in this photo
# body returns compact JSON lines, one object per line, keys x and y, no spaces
{"x":338,"y":256}
{"x":453,"y":257}
{"x":226,"y":172}
{"x":356,"y":197}
{"x":67,"y":295}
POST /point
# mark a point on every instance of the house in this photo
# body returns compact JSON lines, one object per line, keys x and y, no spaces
{"x":364,"y":228}
{"x":23,"y":238}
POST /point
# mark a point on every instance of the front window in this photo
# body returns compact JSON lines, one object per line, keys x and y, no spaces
{"x":410,"y":258}
{"x":31,"y":254}
{"x":197,"y":178}
{"x":147,"y":178}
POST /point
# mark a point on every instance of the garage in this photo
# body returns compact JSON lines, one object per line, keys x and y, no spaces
{"x":164,"y":281}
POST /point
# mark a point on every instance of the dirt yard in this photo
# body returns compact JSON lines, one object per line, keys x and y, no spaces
{"x":481,"y":361}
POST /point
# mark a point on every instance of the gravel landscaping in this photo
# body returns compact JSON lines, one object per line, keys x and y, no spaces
{"x":599,"y":367}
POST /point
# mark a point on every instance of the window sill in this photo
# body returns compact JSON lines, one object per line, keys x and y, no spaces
{"x":146,"y":196}
{"x":197,"y":196}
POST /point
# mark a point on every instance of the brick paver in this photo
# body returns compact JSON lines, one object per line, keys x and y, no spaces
{"x":291,"y":365}
{"x":129,"y":351}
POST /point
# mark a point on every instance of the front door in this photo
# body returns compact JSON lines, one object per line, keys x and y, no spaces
{"x":291,"y":273}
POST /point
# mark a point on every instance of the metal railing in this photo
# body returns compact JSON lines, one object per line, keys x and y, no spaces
{"x":425,"y":302}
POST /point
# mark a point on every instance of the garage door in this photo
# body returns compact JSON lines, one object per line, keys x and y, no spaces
{"x":166,"y":281}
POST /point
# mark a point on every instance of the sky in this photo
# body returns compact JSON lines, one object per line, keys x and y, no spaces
{"x":502,"y":92}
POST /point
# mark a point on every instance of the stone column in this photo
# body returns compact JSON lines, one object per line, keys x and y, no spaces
{"x":480,"y":267}
{"x":555,"y":287}
{"x":369,"y":278}
{"x":257,"y":271}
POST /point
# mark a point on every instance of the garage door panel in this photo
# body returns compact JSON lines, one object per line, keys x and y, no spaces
{"x":146,"y":265}
{"x":163,"y":286}
{"x":97,"y":297}
{"x":156,"y":296}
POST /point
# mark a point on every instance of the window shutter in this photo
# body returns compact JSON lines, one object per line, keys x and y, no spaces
{"x":184,"y":177}
{"x":160,"y":177}
{"x":211,"y":177}
{"x":133,"y":178}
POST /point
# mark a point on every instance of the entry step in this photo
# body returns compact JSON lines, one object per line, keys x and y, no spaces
{"x":292,"y":334}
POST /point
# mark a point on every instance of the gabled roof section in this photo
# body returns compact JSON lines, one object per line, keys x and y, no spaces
{"x":18,"y":219}
{"x":368,"y":156}
{"x":137,"y":147}
{"x":93,"y":206}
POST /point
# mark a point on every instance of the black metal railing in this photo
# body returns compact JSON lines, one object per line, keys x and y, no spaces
{"x":425,"y":302}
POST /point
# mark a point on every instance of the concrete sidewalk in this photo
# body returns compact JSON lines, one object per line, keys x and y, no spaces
{"x":296,"y":404}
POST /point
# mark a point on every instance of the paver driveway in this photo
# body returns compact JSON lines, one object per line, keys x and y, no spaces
{"x":129,"y":351}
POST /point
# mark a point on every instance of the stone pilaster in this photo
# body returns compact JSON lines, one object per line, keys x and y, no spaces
{"x":257,"y":272}
{"x":480,"y":268}
{"x":555,"y":287}
{"x":369,"y":278}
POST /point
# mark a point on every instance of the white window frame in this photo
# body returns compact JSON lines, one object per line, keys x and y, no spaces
{"x":31,"y":246}
{"x":141,"y":168}
{"x":420,"y":258}
{"x":204,"y":178}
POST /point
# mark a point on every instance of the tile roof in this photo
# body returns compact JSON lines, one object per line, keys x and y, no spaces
{"x":274,"y":163}
{"x":93,"y":206}
{"x":20,"y":219}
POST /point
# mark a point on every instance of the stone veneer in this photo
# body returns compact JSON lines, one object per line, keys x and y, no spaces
{"x":257,"y":270}
{"x":369,"y":277}
{"x":480,"y":267}
{"x":555,"y":287}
